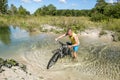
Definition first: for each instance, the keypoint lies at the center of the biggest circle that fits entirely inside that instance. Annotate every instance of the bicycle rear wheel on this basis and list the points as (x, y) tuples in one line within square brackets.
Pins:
[(53, 60)]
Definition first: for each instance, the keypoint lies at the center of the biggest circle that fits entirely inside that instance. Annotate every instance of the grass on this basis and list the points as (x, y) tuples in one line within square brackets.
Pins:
[(113, 24), (60, 21), (77, 23)]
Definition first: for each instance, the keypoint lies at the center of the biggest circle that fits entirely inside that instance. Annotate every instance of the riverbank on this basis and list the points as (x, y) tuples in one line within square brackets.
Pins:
[(13, 70), (98, 59)]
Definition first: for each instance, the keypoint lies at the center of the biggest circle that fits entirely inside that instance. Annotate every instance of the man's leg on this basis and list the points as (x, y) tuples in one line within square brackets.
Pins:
[(75, 57), (74, 54)]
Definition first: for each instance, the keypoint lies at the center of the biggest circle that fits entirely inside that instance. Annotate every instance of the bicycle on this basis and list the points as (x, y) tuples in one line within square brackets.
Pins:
[(59, 53)]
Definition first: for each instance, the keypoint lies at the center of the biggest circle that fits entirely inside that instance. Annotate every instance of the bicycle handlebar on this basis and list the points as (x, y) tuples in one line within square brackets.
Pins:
[(61, 43), (67, 43)]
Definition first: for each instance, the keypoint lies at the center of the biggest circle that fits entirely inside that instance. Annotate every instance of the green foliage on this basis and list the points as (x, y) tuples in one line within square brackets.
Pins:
[(11, 62), (1, 62), (98, 11), (116, 9), (3, 6), (112, 10), (98, 17), (102, 32), (108, 10), (113, 25), (46, 10), (51, 10), (105, 11), (23, 11), (12, 10), (78, 27), (101, 11), (100, 5), (5, 34)]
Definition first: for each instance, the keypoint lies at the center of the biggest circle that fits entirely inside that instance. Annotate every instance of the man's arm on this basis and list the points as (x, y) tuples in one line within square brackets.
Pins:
[(60, 37)]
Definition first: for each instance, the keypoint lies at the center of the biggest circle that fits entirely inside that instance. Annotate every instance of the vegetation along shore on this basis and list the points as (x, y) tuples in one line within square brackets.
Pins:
[(104, 15)]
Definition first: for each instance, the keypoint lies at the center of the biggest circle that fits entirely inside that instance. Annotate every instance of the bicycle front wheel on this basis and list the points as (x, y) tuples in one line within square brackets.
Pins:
[(53, 60)]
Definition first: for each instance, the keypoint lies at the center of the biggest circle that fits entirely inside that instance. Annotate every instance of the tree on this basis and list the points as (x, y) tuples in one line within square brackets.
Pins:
[(98, 11), (23, 11), (101, 11), (37, 12), (100, 5), (3, 6), (13, 10), (108, 10), (112, 10), (98, 17), (51, 9), (43, 10), (46, 10), (116, 9)]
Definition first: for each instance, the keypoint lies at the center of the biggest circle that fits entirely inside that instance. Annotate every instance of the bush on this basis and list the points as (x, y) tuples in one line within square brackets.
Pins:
[(102, 32), (1, 62), (116, 36), (98, 17), (10, 62), (113, 25)]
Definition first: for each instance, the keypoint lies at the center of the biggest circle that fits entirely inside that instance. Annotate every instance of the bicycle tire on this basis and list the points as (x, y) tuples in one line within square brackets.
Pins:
[(53, 60)]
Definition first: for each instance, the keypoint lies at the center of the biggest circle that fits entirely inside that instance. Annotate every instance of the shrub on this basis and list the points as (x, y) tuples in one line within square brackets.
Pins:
[(102, 32), (113, 25), (98, 17), (12, 62)]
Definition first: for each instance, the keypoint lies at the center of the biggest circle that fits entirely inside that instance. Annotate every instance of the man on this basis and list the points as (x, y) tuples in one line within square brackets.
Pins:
[(74, 40)]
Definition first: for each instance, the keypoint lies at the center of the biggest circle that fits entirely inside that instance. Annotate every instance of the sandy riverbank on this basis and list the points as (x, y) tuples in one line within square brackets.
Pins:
[(36, 60)]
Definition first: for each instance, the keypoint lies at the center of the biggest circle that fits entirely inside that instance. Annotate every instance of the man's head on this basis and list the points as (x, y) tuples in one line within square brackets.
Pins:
[(69, 32)]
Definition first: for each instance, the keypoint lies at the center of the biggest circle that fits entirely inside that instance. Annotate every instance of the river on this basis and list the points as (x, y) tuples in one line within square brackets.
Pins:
[(97, 60)]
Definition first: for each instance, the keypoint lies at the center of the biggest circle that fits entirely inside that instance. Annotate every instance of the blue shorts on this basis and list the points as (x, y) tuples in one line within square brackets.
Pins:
[(75, 48)]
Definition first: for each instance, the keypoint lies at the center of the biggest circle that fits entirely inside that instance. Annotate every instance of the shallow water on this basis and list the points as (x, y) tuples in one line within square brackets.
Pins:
[(97, 60)]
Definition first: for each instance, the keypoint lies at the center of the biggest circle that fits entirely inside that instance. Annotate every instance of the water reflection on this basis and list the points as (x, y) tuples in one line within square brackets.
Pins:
[(11, 34), (18, 33), (5, 35)]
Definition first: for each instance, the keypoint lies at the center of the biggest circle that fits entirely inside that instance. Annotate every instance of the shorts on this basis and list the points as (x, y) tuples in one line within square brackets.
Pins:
[(75, 48)]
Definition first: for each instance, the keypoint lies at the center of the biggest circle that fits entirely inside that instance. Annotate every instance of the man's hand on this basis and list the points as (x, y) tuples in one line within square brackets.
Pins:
[(60, 37), (56, 39)]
